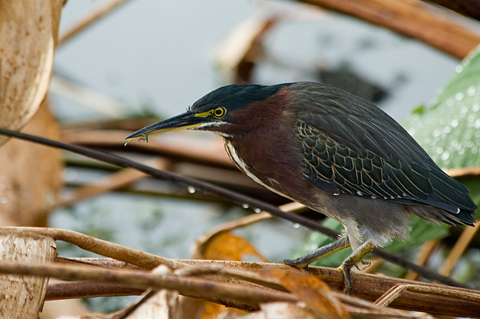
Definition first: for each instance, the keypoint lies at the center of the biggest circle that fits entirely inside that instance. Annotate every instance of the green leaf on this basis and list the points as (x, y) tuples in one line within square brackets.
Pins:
[(449, 130)]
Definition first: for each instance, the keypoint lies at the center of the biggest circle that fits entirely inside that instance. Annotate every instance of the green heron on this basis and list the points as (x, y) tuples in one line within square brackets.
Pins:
[(333, 152)]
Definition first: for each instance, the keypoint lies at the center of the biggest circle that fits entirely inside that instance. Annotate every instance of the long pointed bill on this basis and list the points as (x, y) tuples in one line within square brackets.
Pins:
[(180, 122)]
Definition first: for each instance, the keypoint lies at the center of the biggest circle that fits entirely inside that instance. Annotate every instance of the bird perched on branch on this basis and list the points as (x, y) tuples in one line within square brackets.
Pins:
[(333, 152)]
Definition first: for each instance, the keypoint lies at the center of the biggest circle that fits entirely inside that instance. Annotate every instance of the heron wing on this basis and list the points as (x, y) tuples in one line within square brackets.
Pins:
[(350, 146)]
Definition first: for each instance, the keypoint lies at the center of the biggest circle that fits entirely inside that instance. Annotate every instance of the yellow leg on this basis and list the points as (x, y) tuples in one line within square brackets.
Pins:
[(351, 261), (304, 261)]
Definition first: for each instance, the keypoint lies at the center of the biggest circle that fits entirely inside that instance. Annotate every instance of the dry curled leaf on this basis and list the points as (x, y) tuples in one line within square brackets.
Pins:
[(226, 246), (314, 292), (28, 34)]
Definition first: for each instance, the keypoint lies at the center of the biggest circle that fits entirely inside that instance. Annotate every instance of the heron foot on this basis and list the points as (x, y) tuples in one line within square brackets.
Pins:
[(352, 260)]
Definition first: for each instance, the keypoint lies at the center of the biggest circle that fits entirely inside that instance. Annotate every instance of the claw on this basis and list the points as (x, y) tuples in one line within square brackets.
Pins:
[(346, 278), (346, 269), (298, 263), (350, 261), (295, 263), (365, 265)]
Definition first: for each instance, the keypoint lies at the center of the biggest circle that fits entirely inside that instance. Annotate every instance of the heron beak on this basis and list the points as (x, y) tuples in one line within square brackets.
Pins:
[(183, 121)]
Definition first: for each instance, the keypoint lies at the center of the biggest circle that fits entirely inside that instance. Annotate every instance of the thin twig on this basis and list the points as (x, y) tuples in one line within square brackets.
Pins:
[(424, 272), (88, 289)]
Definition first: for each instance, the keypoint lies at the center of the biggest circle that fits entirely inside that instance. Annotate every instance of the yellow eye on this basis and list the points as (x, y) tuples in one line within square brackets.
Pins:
[(219, 112)]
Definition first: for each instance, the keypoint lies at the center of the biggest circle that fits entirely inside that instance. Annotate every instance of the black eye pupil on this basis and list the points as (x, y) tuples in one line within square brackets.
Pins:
[(219, 112)]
